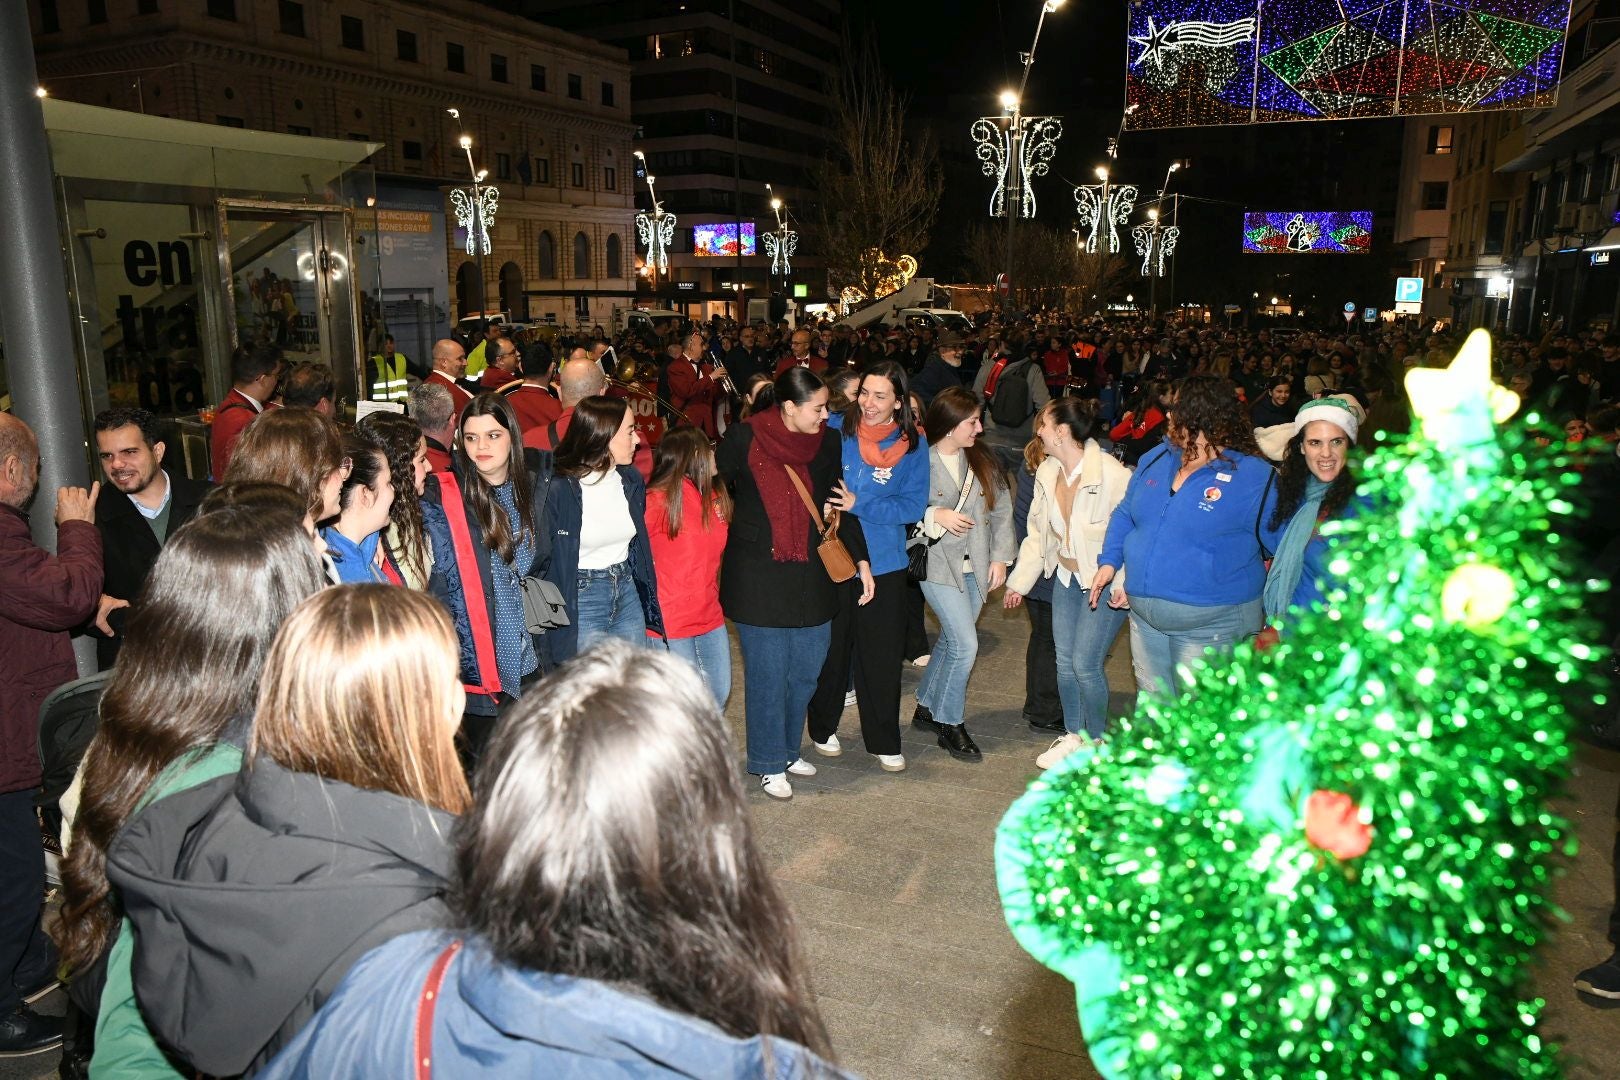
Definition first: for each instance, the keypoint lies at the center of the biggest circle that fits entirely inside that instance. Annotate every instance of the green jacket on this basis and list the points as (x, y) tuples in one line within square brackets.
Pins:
[(124, 1048)]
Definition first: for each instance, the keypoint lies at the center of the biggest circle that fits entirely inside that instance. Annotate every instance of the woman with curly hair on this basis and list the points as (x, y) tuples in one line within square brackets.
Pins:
[(1189, 531), (404, 540)]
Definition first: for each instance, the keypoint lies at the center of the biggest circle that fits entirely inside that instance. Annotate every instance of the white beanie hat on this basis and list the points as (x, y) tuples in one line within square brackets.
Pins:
[(1340, 410)]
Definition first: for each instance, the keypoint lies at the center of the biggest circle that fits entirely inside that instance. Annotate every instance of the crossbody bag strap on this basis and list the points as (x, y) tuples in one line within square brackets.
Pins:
[(426, 1006), (961, 501), (831, 525)]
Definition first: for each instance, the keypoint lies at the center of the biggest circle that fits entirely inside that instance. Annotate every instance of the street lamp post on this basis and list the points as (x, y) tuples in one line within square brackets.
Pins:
[(476, 216), (1104, 207), (781, 244), (655, 230)]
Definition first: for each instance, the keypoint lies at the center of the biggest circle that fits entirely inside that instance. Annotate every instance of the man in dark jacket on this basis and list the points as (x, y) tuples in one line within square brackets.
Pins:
[(139, 509), (943, 369), (41, 597)]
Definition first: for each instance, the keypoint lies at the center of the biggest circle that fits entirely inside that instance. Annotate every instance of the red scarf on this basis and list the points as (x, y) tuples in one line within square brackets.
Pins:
[(871, 435), (774, 446)]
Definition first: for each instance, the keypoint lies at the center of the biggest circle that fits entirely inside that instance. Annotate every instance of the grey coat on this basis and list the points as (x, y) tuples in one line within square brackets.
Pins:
[(990, 540)]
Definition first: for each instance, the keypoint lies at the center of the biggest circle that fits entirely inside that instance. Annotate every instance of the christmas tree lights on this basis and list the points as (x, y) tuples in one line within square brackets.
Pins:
[(1330, 859), (1250, 61)]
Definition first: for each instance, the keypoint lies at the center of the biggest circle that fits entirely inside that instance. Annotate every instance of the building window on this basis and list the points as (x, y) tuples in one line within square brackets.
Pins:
[(411, 150), (96, 11), (582, 255), (548, 255), (503, 166), (222, 9), (455, 58), (1496, 219), (1434, 195), (610, 179), (576, 173), (615, 256), (299, 129), (1440, 139), (497, 68), (576, 87), (542, 170), (537, 77), (50, 20), (230, 121), (353, 32), (292, 17), (405, 46), (607, 94)]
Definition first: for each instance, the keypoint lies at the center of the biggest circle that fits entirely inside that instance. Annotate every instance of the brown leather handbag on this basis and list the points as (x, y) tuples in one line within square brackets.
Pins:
[(834, 555)]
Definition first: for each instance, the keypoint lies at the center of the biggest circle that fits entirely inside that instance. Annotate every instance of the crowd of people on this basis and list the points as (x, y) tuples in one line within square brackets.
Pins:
[(444, 775)]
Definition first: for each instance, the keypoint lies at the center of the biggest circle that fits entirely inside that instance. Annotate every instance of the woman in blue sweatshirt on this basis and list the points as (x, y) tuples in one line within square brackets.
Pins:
[(885, 486), (1189, 530)]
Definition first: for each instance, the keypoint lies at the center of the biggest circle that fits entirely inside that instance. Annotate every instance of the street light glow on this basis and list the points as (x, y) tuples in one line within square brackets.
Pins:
[(1153, 215), (1051, 6), (1273, 301), (480, 176), (776, 204), (1102, 172), (1009, 99), (466, 142), (40, 91), (640, 155)]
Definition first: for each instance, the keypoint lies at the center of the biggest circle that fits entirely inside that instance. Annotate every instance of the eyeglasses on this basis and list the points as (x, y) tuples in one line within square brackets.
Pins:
[(345, 467)]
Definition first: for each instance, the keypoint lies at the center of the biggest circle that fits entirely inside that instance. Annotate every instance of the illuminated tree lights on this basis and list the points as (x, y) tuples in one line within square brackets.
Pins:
[(474, 215), (1247, 61), (1307, 232), (1331, 858)]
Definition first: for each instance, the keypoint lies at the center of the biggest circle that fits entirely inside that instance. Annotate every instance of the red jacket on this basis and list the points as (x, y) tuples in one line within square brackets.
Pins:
[(42, 596), (688, 567), (692, 392), (539, 438), (813, 362), (438, 457), (459, 398), (231, 418), (533, 406)]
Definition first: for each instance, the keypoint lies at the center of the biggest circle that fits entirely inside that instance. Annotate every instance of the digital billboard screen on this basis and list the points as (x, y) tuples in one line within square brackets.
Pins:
[(721, 239), (1307, 232)]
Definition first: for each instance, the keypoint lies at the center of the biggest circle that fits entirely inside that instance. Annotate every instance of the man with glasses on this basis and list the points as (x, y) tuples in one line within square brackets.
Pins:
[(799, 355), (505, 365)]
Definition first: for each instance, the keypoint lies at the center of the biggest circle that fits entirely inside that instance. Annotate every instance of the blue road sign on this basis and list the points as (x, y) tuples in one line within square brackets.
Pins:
[(1369, 314), (1409, 290), (1349, 307)]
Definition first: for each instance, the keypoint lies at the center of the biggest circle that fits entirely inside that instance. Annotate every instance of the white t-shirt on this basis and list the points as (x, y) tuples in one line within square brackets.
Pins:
[(605, 529)]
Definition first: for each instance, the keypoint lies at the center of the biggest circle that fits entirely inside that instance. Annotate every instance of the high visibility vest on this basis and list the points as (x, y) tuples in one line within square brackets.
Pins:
[(388, 381), (475, 361)]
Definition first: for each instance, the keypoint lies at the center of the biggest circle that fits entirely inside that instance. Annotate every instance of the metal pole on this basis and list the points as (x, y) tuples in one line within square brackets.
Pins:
[(1175, 219), (1012, 198), (736, 164), (1153, 269), (34, 307)]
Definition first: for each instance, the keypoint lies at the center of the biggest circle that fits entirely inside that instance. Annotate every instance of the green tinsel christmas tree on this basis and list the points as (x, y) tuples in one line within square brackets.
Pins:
[(1330, 861)]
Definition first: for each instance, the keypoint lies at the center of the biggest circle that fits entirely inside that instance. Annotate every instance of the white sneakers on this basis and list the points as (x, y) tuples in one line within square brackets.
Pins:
[(801, 767), (849, 699), (831, 748), (892, 762), (1061, 747), (922, 661), (776, 785)]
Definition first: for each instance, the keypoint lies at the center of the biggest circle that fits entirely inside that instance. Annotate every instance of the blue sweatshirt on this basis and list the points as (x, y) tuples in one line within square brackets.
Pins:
[(886, 500), (1200, 546), (356, 563)]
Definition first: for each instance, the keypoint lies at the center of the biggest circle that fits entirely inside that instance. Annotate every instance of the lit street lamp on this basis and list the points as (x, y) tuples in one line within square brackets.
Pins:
[(656, 230), (781, 244), (474, 214), (1104, 207)]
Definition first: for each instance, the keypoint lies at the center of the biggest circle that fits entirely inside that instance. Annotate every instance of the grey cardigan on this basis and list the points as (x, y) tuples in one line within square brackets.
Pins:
[(990, 540)]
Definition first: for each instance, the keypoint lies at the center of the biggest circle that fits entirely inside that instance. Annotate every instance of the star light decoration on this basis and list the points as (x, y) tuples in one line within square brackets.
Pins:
[(474, 215), (1103, 209), (1036, 147), (1251, 61), (1330, 859), (1155, 243)]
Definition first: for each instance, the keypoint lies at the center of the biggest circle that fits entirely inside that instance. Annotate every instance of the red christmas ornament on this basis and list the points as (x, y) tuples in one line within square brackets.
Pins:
[(1332, 824)]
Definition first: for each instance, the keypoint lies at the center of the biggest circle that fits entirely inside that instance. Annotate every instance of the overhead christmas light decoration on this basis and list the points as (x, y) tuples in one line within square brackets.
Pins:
[(1248, 61), (781, 244), (1307, 232), (1027, 142), (1155, 243), (473, 215), (656, 230), (1104, 208)]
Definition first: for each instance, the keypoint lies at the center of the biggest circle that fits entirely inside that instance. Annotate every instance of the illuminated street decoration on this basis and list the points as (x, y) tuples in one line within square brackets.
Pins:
[(893, 275), (780, 246), (1103, 209), (1155, 246), (1036, 146), (656, 231), (1308, 232), (474, 215), (1247, 61)]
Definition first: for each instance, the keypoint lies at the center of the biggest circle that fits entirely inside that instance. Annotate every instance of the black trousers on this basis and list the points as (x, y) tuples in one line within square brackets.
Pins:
[(1614, 912), (916, 635), (26, 955), (1041, 701), (870, 642)]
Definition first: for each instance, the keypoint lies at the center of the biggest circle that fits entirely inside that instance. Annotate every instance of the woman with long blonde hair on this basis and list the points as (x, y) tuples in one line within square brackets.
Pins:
[(252, 895)]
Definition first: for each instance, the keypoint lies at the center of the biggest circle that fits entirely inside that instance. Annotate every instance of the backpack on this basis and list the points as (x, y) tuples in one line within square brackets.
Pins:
[(1011, 403)]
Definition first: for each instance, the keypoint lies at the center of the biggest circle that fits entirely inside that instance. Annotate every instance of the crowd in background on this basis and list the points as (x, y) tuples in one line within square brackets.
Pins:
[(463, 665)]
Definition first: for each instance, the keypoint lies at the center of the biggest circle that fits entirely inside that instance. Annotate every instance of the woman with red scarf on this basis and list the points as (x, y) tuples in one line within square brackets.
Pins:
[(773, 585), (886, 482)]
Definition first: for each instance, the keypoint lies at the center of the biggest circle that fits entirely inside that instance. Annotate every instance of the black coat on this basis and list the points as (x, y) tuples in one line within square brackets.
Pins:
[(253, 894), (755, 588), (129, 547)]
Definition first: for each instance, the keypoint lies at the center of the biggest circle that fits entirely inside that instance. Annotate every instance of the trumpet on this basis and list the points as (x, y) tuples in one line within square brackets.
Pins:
[(723, 377)]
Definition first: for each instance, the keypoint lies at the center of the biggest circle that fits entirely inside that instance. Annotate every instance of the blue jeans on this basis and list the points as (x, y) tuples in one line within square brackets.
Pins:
[(609, 606), (1167, 636), (1082, 638), (943, 690), (711, 654), (781, 665)]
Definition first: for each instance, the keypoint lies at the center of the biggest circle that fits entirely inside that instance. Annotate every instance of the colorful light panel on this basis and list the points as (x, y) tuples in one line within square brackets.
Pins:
[(1307, 232), (721, 239), (1192, 63)]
